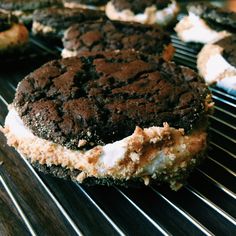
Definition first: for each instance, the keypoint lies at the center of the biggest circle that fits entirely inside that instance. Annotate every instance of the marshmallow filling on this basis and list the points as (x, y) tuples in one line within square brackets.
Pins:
[(147, 154)]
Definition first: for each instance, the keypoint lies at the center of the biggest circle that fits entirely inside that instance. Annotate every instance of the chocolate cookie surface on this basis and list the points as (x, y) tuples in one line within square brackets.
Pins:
[(113, 35), (102, 97), (27, 5), (138, 6), (51, 22)]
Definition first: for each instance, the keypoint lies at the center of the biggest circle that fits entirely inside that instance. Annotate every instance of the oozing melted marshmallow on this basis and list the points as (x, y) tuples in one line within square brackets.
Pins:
[(194, 29), (214, 68)]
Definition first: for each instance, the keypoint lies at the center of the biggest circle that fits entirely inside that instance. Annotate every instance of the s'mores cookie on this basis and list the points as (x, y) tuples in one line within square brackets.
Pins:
[(23, 9), (217, 63), (13, 35), (113, 35), (111, 118), (52, 22), (146, 12), (206, 23), (86, 4)]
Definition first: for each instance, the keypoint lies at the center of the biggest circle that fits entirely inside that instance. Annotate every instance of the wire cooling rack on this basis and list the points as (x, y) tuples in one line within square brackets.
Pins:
[(35, 204)]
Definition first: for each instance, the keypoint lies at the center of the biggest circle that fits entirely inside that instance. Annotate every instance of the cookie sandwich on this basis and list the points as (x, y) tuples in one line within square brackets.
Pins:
[(146, 12), (217, 63), (52, 22), (111, 118), (206, 23)]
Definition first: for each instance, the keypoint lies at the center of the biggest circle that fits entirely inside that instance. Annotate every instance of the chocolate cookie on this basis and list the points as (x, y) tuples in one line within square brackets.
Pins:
[(178, 179), (103, 96), (111, 118), (52, 22), (12, 33), (147, 12), (112, 35), (90, 4)]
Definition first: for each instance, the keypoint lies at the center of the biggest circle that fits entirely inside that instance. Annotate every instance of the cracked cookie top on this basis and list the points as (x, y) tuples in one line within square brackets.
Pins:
[(106, 35), (101, 97)]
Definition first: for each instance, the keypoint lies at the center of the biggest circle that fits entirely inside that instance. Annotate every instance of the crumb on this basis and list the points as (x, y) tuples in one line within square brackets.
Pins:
[(81, 177), (146, 180), (82, 142)]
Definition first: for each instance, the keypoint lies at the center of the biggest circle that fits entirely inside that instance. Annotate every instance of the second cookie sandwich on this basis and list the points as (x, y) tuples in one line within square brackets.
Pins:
[(143, 11), (51, 22), (113, 35)]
